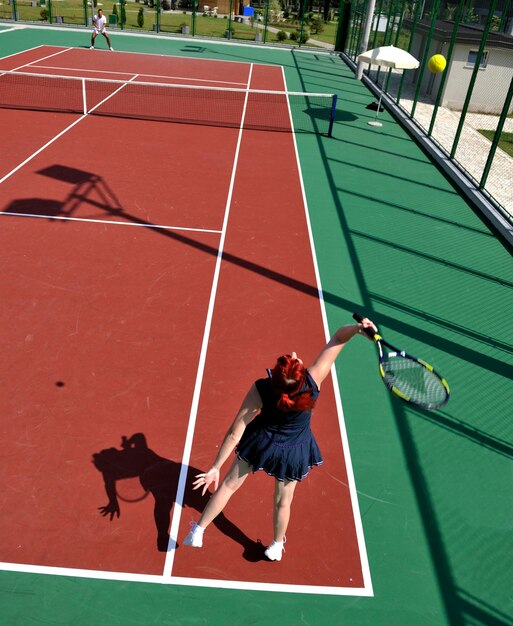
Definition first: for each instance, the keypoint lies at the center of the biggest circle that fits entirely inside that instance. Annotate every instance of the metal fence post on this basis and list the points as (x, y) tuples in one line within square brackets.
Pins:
[(385, 36), (504, 17), (380, 6), (342, 26), (497, 135), (352, 19), (302, 29), (457, 20), (230, 20), (416, 15), (400, 25), (360, 32), (366, 34), (423, 61), (473, 77)]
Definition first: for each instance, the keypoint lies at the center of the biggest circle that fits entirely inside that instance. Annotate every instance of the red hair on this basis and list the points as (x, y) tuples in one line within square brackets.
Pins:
[(288, 377)]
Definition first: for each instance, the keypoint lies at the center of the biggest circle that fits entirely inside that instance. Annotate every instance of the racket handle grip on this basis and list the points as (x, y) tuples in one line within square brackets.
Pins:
[(368, 331)]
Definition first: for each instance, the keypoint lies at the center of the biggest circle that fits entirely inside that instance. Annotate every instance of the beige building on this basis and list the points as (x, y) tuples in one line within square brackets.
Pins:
[(495, 72)]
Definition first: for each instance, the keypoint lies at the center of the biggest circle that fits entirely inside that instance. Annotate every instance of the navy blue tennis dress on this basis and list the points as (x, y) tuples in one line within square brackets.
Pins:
[(280, 443)]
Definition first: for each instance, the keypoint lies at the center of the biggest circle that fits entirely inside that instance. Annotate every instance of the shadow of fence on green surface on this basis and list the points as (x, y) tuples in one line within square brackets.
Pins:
[(427, 439)]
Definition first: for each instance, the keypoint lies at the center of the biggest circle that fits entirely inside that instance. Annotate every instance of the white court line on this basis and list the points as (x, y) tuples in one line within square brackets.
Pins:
[(181, 580), (8, 56), (7, 30), (197, 42), (99, 221), (42, 59), (178, 506), (203, 80), (338, 401), (167, 578), (49, 143)]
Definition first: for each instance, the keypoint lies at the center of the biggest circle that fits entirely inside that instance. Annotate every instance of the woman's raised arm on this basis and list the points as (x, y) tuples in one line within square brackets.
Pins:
[(322, 364)]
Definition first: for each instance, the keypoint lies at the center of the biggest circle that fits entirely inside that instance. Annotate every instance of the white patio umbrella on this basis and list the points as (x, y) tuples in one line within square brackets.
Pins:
[(391, 57)]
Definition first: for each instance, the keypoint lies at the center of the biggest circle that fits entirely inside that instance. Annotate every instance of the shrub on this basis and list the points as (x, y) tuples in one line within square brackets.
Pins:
[(316, 25), (297, 36), (115, 11), (281, 35), (166, 5), (140, 18), (44, 14)]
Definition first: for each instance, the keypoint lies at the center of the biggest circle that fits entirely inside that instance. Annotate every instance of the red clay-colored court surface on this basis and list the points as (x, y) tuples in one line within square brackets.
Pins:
[(143, 304)]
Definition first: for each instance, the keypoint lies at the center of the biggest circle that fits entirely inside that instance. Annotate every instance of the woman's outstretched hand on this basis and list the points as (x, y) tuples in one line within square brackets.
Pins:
[(365, 324), (206, 479)]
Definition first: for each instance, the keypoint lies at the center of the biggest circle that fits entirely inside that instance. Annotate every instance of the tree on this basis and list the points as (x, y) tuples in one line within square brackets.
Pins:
[(140, 17)]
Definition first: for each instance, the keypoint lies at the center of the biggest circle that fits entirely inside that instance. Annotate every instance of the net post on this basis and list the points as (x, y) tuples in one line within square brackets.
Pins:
[(84, 98), (332, 115)]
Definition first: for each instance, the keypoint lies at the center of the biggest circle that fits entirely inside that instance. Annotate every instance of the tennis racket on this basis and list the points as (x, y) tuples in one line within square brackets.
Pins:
[(409, 378)]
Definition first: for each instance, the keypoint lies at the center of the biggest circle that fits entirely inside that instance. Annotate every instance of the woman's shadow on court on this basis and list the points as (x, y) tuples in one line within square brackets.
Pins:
[(158, 476)]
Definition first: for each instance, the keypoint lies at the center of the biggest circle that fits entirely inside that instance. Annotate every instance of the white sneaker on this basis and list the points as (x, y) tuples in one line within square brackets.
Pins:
[(91, 47), (111, 49), (275, 551), (195, 536)]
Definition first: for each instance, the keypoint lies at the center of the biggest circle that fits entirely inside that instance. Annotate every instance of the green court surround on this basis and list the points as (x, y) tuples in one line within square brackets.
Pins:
[(395, 240)]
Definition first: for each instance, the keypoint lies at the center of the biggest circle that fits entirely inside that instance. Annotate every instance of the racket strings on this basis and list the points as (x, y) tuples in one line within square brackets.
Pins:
[(412, 379)]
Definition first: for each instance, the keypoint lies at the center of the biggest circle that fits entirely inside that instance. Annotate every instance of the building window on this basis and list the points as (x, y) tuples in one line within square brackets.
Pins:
[(472, 56)]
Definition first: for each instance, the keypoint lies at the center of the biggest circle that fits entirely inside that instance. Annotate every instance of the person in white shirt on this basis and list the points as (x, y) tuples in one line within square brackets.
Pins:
[(99, 26)]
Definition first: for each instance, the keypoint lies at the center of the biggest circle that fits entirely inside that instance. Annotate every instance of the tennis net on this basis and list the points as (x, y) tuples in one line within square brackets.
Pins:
[(251, 108)]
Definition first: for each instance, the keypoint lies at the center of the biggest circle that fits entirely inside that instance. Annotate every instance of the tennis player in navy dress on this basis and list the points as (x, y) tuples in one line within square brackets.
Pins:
[(281, 443), (272, 433)]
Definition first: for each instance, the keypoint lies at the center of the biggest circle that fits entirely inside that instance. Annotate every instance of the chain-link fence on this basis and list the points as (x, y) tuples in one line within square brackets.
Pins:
[(288, 22), (467, 108)]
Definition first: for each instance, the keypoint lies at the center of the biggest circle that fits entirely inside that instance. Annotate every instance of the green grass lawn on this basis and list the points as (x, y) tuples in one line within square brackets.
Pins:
[(72, 12), (328, 34), (505, 142)]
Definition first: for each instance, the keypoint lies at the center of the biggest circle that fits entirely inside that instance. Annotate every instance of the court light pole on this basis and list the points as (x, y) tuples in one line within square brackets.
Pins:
[(366, 35)]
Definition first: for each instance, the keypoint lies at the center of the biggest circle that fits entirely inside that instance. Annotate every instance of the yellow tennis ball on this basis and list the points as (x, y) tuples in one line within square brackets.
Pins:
[(437, 63)]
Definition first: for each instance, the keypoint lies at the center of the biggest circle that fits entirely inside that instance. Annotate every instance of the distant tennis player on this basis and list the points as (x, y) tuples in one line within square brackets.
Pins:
[(271, 432), (100, 26)]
